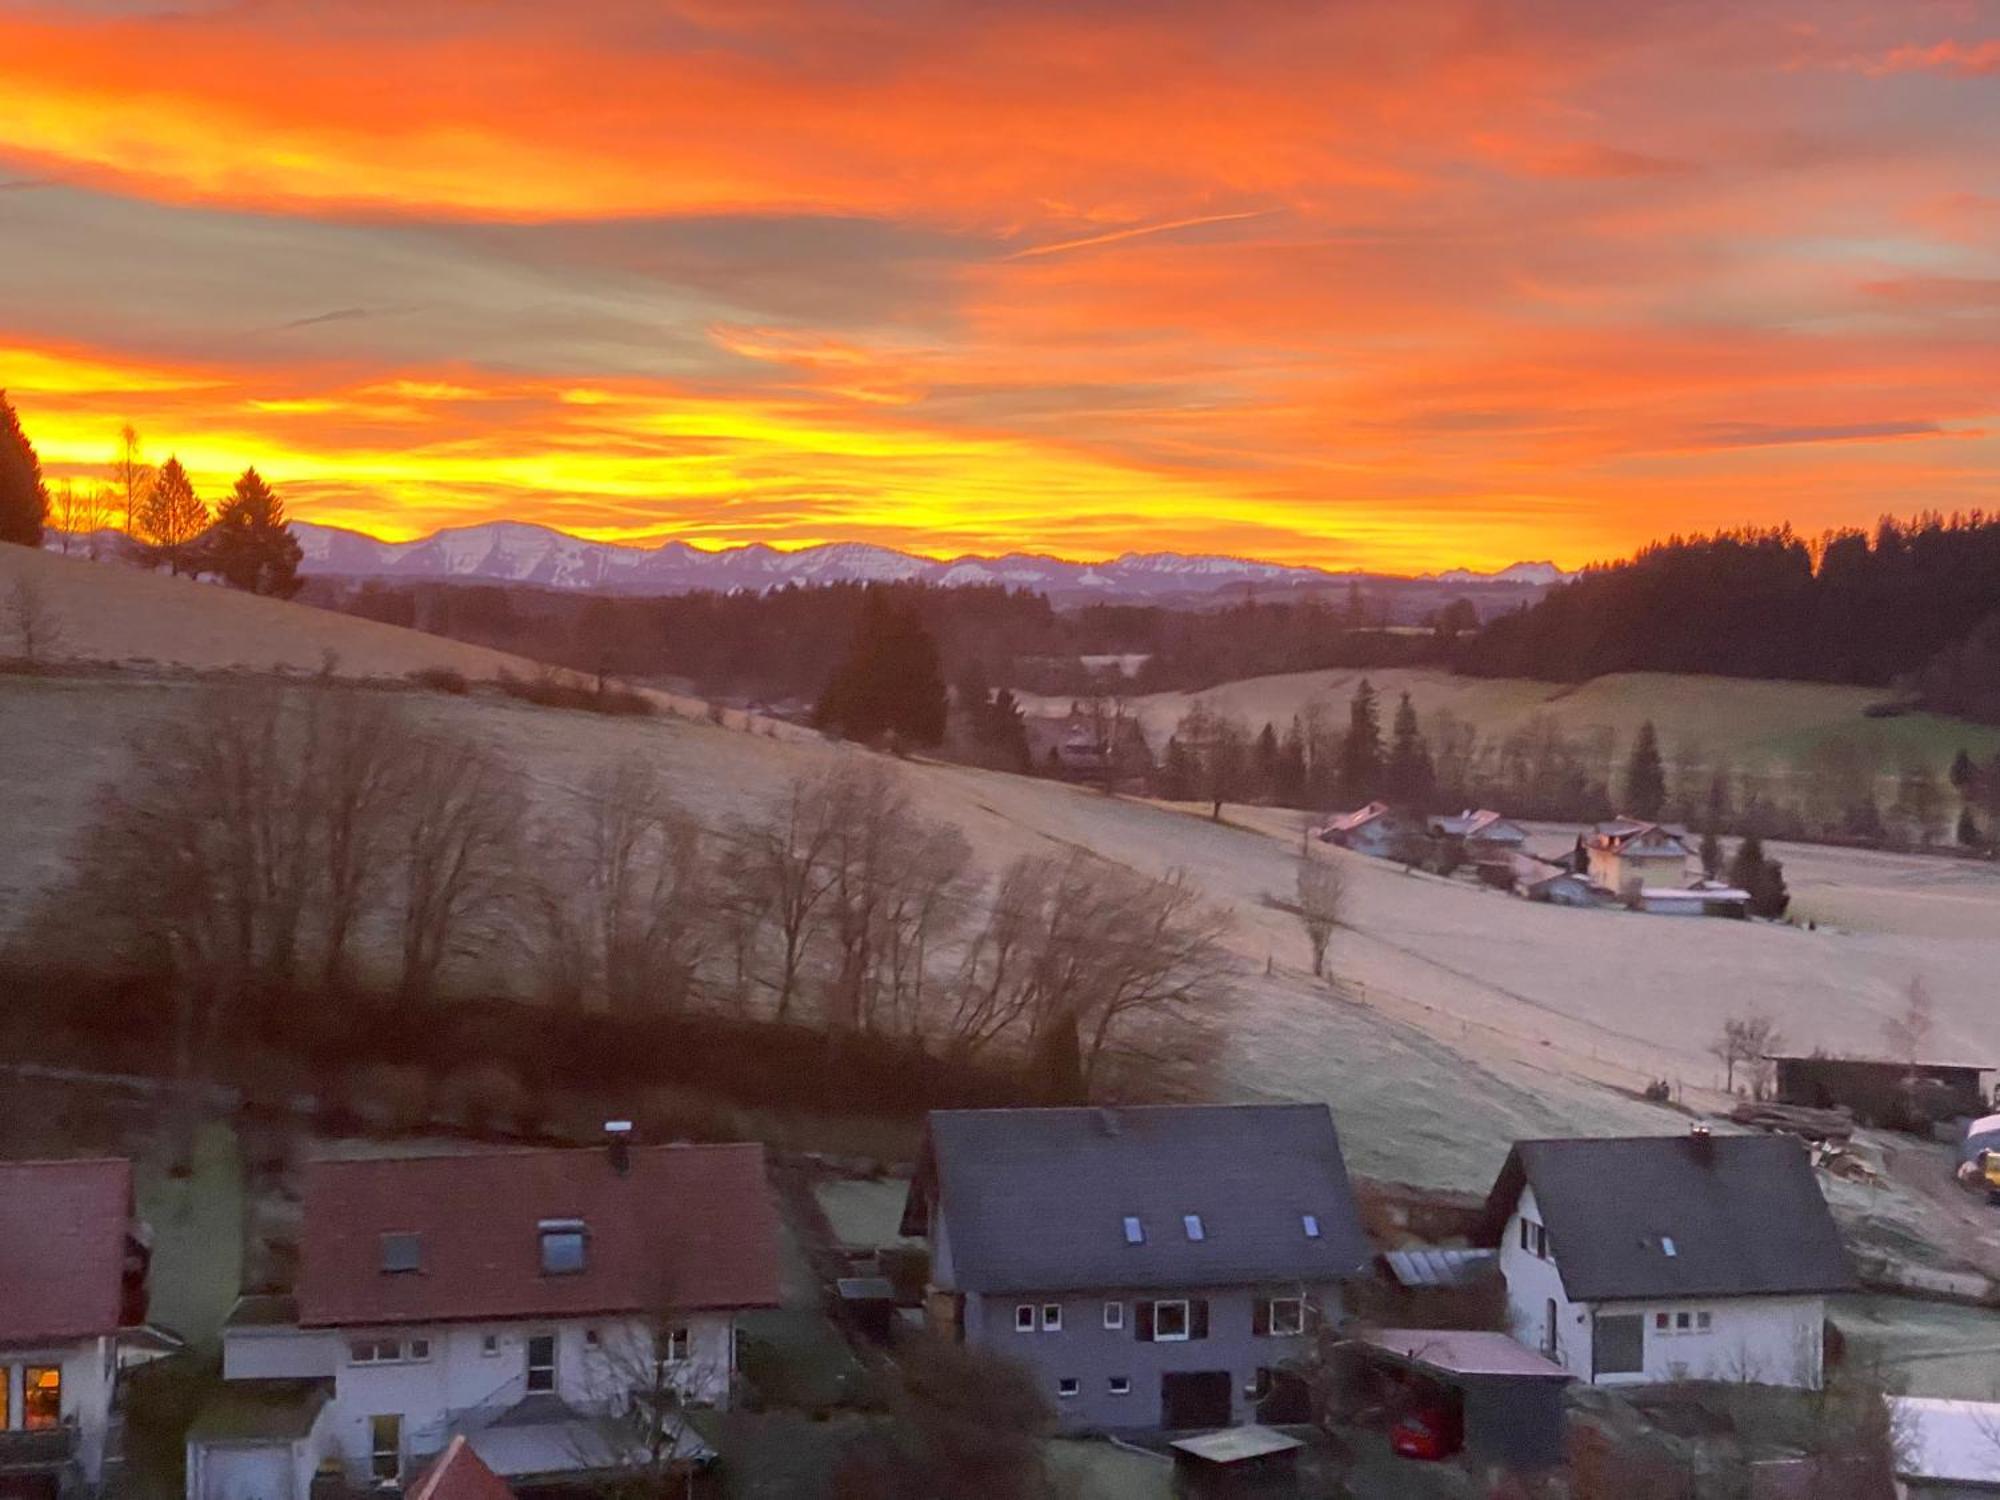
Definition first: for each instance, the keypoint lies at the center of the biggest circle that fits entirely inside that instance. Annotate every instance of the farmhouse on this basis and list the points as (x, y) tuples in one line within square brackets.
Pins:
[(539, 1304), (1629, 854), (1484, 835), (73, 1262), (1089, 743), (1644, 1259), (1155, 1267), (1378, 830), (1539, 880)]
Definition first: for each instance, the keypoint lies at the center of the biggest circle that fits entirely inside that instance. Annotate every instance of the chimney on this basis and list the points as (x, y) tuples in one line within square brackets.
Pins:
[(1701, 1141), (618, 1145)]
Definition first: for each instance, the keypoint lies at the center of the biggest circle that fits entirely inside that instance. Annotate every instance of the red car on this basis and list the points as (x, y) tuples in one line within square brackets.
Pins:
[(1430, 1433)]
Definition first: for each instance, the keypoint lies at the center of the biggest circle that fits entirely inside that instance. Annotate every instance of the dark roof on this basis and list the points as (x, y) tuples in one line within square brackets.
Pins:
[(1896, 1064), (685, 1227), (260, 1411), (1743, 1214), (64, 1227), (1035, 1199)]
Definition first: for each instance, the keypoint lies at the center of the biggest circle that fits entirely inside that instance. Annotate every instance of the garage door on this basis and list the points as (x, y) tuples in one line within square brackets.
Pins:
[(263, 1473)]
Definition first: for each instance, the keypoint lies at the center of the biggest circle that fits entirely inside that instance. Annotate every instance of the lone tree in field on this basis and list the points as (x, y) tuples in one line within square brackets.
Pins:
[(251, 545), (1645, 775), (31, 621), (173, 517), (1322, 894), (891, 682), (1745, 1041), (24, 499)]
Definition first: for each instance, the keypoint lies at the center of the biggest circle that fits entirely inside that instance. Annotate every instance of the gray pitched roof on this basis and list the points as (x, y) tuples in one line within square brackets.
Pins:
[(1035, 1199), (1743, 1213)]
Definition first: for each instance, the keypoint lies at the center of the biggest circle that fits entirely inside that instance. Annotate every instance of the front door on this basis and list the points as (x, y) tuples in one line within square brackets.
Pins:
[(1195, 1398), (1549, 1344)]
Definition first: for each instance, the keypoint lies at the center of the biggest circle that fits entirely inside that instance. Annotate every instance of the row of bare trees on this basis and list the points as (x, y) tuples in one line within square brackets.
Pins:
[(270, 842)]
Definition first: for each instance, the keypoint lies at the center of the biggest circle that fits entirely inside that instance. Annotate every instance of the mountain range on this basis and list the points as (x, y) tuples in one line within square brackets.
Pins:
[(518, 552)]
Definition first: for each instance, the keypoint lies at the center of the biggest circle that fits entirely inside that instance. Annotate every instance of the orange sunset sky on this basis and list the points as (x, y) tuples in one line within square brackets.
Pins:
[(1402, 285)]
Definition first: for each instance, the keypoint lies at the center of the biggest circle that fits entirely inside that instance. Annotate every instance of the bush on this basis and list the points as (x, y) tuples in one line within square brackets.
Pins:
[(441, 680), (552, 690), (485, 1098), (908, 1268), (390, 1097)]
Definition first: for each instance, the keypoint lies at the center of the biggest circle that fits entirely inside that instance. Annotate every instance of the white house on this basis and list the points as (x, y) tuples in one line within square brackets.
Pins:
[(1638, 1260), (73, 1260), (538, 1303), (1630, 854)]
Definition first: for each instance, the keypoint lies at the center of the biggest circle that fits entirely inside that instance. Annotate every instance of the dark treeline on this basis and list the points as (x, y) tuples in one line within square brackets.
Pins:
[(787, 644), (1850, 608)]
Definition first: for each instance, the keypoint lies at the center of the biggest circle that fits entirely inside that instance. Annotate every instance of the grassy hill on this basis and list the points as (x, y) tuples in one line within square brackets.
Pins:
[(1464, 1018), (1763, 727)]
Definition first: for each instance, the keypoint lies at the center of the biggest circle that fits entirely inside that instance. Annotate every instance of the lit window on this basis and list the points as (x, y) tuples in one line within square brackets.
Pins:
[(1114, 1315), (1024, 1318), (1310, 1223), (385, 1441), (1288, 1316), (1052, 1317), (1193, 1225), (563, 1246), (541, 1363), (1170, 1322), (1135, 1232), (41, 1397), (401, 1253), (1120, 1385), (1068, 1387)]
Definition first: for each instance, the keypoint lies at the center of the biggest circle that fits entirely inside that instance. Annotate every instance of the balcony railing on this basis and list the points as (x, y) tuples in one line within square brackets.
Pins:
[(41, 1448)]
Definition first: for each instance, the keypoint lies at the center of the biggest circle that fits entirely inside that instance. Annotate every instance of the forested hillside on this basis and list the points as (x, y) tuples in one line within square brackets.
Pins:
[(1849, 608)]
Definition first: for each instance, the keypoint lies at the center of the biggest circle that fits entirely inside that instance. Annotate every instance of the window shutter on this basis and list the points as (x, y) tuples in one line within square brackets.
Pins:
[(1198, 1318), (1260, 1318), (1142, 1321)]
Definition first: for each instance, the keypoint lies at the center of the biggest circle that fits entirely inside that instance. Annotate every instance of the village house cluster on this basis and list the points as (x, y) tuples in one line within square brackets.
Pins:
[(1631, 862), (459, 1323)]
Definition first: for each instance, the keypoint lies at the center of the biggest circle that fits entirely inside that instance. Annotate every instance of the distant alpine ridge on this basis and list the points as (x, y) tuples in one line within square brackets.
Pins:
[(518, 552)]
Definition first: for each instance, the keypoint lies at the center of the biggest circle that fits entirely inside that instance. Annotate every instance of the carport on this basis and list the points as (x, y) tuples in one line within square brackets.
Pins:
[(1509, 1399)]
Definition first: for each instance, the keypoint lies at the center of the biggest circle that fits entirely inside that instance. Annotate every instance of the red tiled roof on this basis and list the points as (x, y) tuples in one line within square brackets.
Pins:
[(686, 1227), (460, 1474), (62, 1248)]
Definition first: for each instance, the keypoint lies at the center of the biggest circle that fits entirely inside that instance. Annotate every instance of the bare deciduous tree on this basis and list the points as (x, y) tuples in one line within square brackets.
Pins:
[(778, 873), (1747, 1041), (1322, 893), (34, 627), (363, 739), (1908, 1034), (462, 808)]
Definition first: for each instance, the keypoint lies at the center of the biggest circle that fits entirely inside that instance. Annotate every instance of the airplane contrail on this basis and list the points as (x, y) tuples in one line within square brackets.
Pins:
[(1132, 234)]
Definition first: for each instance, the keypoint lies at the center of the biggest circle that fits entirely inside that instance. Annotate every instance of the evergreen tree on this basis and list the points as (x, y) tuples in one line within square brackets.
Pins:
[(252, 546), (173, 518), (1410, 778), (1267, 759), (1645, 775), (1764, 878), (1178, 771), (1361, 750), (1968, 829), (1964, 774), (1288, 785), (1006, 728), (1711, 852), (24, 499), (890, 683)]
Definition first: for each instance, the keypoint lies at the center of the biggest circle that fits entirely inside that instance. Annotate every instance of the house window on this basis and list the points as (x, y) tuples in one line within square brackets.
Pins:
[(674, 1345), (1667, 1246), (1534, 1239), (376, 1351), (1193, 1225), (1114, 1315), (1170, 1322), (1618, 1344), (1659, 1322), (1068, 1387), (590, 1340), (563, 1246), (542, 1362), (1119, 1385), (1135, 1232), (1310, 1224), (490, 1345), (1701, 1322), (1052, 1317), (1683, 1322), (420, 1348), (41, 1396), (1024, 1318), (385, 1442), (1287, 1316), (401, 1253)]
